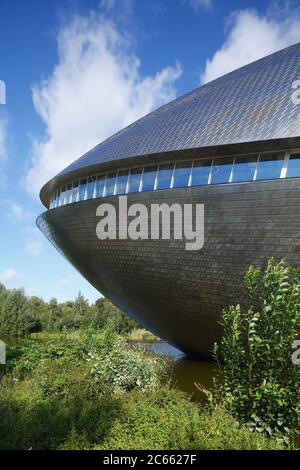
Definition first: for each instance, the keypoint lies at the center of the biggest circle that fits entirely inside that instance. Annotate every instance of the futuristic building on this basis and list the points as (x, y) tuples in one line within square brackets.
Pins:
[(232, 145)]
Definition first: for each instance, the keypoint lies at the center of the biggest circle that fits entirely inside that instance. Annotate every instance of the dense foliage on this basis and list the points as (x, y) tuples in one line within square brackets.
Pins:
[(20, 315), (261, 384), (87, 390), (16, 315), (75, 383)]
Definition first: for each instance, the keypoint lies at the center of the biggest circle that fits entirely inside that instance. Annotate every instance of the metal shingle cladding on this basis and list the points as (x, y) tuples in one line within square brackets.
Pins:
[(250, 104), (176, 293)]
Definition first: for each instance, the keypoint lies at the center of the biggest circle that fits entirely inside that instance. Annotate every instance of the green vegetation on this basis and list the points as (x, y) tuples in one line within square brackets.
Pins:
[(86, 390), (16, 315), (261, 385), (77, 380), (21, 315)]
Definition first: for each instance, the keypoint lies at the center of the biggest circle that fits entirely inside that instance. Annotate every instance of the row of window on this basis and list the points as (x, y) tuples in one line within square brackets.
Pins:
[(180, 174)]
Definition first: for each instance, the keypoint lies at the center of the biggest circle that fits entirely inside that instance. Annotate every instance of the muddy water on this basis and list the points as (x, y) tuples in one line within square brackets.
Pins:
[(189, 375)]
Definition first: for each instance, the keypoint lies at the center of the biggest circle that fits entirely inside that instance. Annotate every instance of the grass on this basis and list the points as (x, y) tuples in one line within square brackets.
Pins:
[(142, 335), (59, 393)]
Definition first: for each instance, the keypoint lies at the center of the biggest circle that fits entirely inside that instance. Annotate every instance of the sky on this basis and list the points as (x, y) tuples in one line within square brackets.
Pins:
[(78, 71)]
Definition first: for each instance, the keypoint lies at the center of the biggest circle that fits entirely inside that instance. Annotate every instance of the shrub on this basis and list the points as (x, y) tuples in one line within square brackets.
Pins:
[(16, 316), (261, 385), (166, 419), (51, 399), (122, 368)]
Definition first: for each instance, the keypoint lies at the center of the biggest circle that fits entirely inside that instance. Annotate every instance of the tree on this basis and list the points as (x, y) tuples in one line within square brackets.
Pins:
[(261, 384), (54, 315), (16, 316), (106, 310), (40, 310)]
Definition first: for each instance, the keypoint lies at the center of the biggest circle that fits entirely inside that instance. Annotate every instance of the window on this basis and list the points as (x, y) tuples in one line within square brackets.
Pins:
[(90, 187), (182, 174), (293, 166), (244, 168), (100, 185), (57, 197), (62, 198), (221, 170), (179, 175), (69, 193), (110, 184), (200, 172), (82, 186), (164, 176), (148, 179), (134, 180), (269, 166), (75, 191), (122, 182)]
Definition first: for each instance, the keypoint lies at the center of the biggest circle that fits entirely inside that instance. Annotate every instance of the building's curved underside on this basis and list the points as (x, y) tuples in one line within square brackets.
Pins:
[(176, 293), (179, 294)]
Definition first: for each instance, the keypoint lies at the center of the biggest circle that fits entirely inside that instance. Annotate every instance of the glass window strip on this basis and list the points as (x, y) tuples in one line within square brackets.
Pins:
[(256, 169), (210, 171), (79, 188), (155, 181), (191, 173), (270, 166), (285, 165), (244, 168), (231, 173), (141, 181), (293, 169)]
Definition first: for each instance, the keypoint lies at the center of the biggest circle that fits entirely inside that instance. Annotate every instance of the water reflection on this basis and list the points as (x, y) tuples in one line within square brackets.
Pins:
[(189, 375), (194, 377)]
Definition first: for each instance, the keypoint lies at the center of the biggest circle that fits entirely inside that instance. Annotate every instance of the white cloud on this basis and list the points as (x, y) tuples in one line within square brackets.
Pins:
[(35, 248), (95, 89), (8, 275), (16, 211), (197, 4), (3, 138), (251, 36), (11, 278)]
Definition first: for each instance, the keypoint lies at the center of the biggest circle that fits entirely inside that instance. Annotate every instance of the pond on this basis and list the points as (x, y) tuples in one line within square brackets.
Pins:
[(189, 375)]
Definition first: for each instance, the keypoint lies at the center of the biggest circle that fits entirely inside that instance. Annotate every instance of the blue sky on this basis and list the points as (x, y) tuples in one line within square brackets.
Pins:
[(78, 71)]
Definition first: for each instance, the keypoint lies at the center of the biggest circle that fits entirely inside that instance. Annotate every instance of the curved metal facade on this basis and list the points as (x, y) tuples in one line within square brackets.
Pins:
[(250, 104), (176, 293)]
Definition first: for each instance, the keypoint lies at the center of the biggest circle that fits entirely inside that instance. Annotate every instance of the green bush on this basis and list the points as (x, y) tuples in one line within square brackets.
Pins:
[(122, 368), (166, 419), (52, 396), (20, 315), (104, 311), (261, 385), (16, 315)]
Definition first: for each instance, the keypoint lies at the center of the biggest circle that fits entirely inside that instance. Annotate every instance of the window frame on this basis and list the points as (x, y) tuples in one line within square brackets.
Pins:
[(57, 200)]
